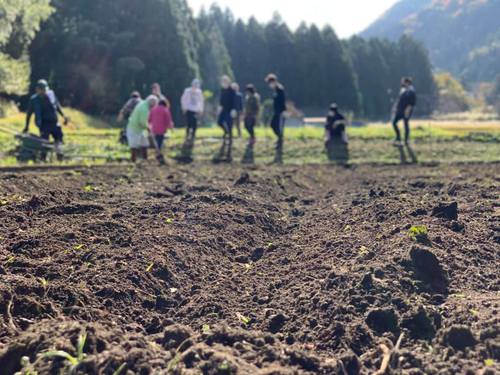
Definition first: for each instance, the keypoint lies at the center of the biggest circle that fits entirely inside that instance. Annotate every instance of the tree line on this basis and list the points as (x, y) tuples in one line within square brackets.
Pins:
[(95, 52)]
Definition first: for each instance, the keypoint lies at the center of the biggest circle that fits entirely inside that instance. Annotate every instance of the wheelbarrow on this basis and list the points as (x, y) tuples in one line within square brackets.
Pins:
[(33, 148)]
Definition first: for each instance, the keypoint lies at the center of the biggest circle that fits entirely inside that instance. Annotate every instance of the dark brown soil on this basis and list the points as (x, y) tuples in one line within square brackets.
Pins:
[(267, 270)]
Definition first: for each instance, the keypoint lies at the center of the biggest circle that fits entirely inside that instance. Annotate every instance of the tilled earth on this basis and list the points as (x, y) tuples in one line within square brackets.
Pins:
[(266, 270)]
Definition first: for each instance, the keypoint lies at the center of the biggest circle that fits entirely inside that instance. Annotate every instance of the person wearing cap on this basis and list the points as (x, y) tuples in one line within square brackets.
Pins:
[(404, 109), (126, 111), (129, 106), (239, 106), (192, 104), (53, 99), (335, 127), (252, 111), (138, 128), (45, 111), (279, 108), (227, 114)]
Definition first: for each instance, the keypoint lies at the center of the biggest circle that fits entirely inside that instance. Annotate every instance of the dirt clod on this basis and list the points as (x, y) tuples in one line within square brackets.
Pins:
[(420, 324), (428, 268), (175, 335), (383, 320), (276, 322), (458, 337), (243, 179), (448, 211)]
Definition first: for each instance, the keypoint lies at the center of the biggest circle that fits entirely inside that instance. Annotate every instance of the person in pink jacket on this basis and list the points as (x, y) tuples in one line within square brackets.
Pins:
[(160, 121)]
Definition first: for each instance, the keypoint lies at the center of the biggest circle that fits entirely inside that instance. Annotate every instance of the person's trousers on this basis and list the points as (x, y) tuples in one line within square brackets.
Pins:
[(160, 139), (250, 122), (225, 121), (191, 124), (53, 130), (278, 126), (406, 120)]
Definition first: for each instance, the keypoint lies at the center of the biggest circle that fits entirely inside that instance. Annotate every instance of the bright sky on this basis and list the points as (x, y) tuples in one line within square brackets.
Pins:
[(347, 17)]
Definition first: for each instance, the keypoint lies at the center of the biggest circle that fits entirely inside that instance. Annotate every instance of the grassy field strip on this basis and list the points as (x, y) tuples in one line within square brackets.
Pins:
[(442, 141)]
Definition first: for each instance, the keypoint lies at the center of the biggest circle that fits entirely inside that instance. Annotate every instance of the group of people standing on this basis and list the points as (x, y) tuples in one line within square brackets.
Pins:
[(149, 120)]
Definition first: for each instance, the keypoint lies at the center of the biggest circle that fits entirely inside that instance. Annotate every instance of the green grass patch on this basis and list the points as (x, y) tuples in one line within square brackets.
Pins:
[(93, 141)]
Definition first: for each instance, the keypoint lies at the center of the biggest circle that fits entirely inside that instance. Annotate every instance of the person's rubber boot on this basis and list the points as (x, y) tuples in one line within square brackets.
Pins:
[(161, 159)]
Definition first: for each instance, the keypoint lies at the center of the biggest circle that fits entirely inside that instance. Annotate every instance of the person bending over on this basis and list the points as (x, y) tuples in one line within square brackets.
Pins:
[(335, 128), (138, 128)]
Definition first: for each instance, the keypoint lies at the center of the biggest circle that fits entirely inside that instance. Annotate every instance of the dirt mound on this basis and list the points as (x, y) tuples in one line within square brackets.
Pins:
[(448, 211), (272, 270), (429, 269)]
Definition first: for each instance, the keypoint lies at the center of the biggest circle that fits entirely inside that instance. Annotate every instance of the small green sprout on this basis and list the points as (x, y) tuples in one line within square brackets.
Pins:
[(169, 220), (4, 202), (248, 267), (88, 188), (224, 366), (10, 260), (205, 328), (363, 250), (73, 361), (489, 362), (269, 245), (243, 319), (44, 282), (419, 233), (79, 247)]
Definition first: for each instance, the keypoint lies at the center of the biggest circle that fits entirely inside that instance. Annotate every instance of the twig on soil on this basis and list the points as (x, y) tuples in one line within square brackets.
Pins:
[(385, 360), (388, 354), (9, 315)]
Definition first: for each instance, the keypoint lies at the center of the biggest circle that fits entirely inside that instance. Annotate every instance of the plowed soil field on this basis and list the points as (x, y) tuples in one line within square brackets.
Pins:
[(223, 269)]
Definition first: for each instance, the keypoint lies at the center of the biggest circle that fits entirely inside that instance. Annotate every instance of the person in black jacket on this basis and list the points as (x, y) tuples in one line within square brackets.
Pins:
[(279, 108), (335, 128), (404, 110), (240, 104), (227, 114)]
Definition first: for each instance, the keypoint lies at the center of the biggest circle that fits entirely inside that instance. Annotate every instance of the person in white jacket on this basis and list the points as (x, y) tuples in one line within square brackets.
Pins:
[(192, 103)]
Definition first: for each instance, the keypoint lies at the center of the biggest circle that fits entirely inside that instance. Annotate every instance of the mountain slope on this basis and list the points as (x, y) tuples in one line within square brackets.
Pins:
[(463, 36)]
